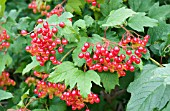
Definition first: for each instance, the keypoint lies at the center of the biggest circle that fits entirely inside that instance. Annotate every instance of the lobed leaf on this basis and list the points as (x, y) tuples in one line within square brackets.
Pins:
[(109, 80), (150, 90), (140, 5), (118, 17), (159, 12), (71, 76), (30, 66), (5, 95), (5, 59), (139, 21)]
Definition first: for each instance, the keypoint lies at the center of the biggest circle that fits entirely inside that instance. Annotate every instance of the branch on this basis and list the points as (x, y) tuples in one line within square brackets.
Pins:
[(105, 32), (67, 54), (157, 63), (63, 2)]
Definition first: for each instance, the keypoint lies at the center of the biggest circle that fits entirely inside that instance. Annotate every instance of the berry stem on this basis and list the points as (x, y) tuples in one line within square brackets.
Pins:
[(85, 68), (63, 2), (157, 63), (105, 32), (33, 99), (67, 54)]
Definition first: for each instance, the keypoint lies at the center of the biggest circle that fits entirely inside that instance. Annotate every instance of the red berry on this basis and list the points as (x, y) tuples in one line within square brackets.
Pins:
[(86, 45), (83, 49), (40, 21), (54, 30), (87, 110), (45, 25), (131, 68), (137, 60), (60, 49), (33, 35), (94, 3), (81, 55), (24, 32), (128, 52), (64, 41), (62, 24), (116, 49)]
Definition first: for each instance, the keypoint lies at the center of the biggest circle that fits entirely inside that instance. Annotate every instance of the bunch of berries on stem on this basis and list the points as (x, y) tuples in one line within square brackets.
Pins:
[(115, 57), (5, 80), (44, 43), (3, 40)]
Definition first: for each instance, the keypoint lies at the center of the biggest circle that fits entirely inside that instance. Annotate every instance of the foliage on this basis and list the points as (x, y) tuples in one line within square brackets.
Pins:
[(88, 55)]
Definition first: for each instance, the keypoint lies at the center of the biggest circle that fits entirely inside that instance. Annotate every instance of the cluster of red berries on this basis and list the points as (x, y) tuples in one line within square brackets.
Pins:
[(43, 88), (5, 80), (108, 58), (58, 10), (43, 7), (3, 40), (44, 42), (93, 2), (31, 80), (41, 75), (74, 99)]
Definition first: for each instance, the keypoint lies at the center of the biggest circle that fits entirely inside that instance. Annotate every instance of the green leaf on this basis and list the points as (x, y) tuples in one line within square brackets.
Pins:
[(88, 20), (62, 71), (159, 33), (100, 1), (84, 79), (167, 108), (80, 23), (5, 60), (140, 5), (17, 46), (59, 106), (5, 95), (13, 14), (2, 7), (150, 90), (110, 5), (9, 23), (71, 76), (25, 95), (118, 17), (30, 66), (139, 21), (23, 23), (159, 12), (75, 6), (109, 80), (77, 61), (39, 110)]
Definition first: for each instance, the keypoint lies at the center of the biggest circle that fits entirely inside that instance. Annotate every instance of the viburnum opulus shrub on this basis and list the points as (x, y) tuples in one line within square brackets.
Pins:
[(87, 55)]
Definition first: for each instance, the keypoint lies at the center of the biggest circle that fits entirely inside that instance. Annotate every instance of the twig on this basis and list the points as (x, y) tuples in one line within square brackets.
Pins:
[(67, 54), (85, 68), (63, 2), (157, 63), (105, 32), (32, 99)]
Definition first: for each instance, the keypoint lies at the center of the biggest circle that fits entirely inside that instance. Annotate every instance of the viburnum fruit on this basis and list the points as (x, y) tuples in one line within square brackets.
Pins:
[(45, 43), (115, 58), (62, 24), (74, 99), (4, 37), (24, 32), (43, 8), (5, 80), (43, 88)]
